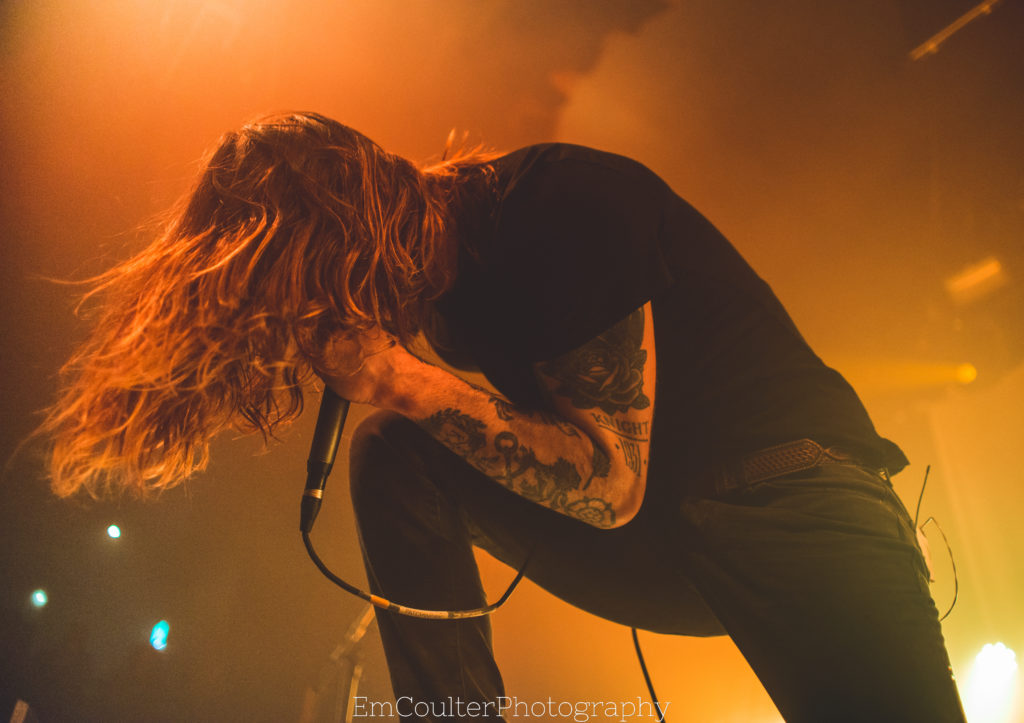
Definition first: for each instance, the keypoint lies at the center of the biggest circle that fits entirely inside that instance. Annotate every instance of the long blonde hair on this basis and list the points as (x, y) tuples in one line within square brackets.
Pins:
[(297, 228)]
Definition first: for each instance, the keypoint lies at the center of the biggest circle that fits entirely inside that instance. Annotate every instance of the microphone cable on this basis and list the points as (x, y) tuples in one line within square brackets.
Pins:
[(385, 604), (324, 448), (647, 676), (326, 437)]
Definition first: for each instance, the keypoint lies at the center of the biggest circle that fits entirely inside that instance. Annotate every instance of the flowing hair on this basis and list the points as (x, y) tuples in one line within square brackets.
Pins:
[(298, 228)]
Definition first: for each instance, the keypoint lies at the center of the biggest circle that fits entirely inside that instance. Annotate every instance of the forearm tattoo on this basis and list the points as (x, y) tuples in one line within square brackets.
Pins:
[(516, 466), (504, 408), (606, 376)]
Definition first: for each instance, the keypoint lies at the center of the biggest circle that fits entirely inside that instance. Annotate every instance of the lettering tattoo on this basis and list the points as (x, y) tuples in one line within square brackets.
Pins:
[(623, 427), (631, 453), (559, 486)]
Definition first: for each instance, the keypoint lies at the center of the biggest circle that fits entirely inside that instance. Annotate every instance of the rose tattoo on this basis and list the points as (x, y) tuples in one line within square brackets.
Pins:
[(606, 373)]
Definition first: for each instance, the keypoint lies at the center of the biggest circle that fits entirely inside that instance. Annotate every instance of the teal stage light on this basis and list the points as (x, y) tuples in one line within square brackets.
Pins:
[(158, 638), (40, 598), (114, 532)]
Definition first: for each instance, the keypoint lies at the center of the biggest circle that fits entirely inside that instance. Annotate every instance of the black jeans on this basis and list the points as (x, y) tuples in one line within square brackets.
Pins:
[(816, 576)]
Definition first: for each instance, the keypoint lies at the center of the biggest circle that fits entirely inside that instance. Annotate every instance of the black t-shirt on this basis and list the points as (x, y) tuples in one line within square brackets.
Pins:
[(575, 241)]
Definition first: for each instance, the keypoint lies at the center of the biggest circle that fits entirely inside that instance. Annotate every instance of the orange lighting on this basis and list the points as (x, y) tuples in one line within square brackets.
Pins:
[(894, 375), (966, 373), (931, 45), (976, 281)]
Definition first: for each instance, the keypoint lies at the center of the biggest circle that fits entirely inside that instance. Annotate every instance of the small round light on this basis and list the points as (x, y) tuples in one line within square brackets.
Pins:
[(40, 598), (114, 532), (158, 637), (966, 373)]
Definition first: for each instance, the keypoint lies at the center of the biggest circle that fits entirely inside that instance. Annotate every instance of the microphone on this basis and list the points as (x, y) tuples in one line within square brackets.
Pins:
[(329, 423)]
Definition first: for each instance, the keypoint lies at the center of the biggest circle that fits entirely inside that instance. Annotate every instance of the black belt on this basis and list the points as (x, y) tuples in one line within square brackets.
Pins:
[(782, 459)]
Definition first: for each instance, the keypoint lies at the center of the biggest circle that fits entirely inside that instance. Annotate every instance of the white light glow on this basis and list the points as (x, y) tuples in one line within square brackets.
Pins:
[(114, 531), (992, 685), (40, 598)]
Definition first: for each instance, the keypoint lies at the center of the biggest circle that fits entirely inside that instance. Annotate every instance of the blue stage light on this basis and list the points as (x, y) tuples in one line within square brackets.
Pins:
[(158, 638)]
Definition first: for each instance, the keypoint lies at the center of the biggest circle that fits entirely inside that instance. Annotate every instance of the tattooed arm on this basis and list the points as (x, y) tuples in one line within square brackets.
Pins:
[(585, 458), (606, 389)]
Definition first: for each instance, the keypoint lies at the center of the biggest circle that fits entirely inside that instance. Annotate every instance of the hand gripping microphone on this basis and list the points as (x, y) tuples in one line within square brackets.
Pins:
[(329, 423)]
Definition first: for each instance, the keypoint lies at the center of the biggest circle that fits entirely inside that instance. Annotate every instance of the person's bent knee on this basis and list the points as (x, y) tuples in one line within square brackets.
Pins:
[(380, 456), (377, 427)]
